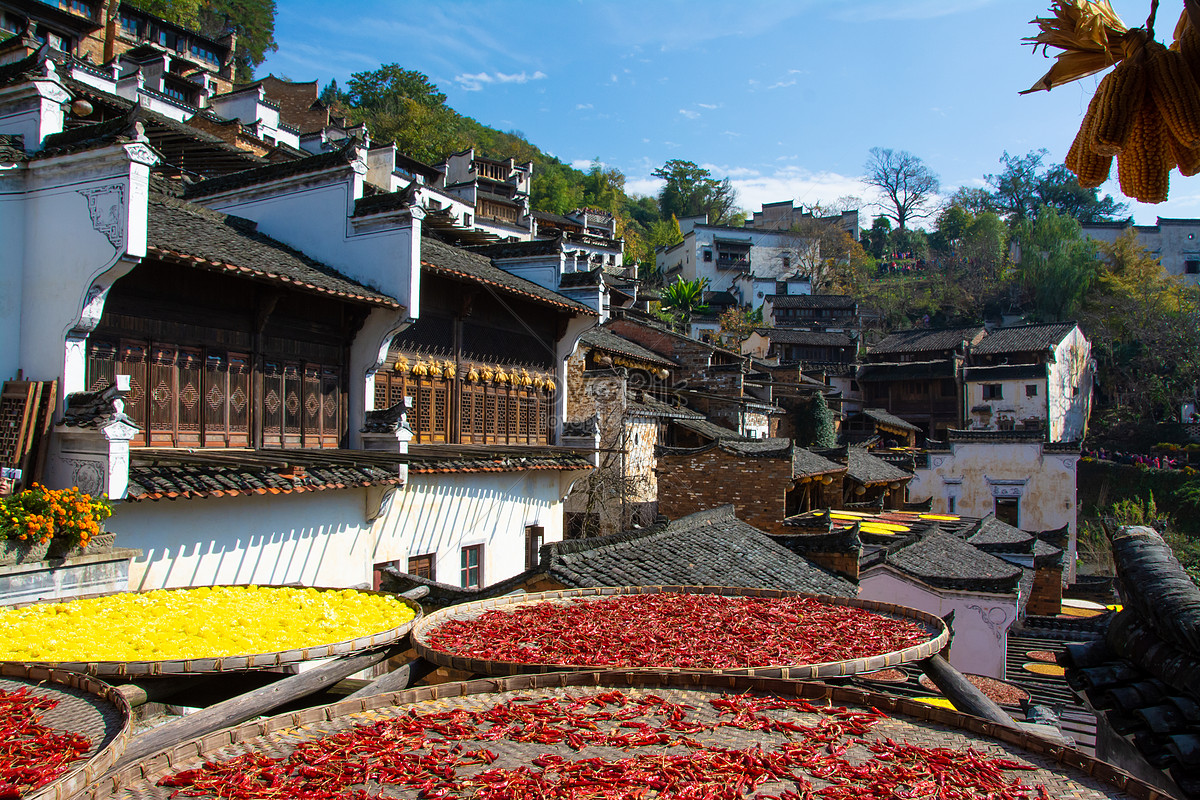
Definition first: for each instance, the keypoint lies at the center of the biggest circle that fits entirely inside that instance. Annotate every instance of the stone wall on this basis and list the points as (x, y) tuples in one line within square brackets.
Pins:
[(756, 487)]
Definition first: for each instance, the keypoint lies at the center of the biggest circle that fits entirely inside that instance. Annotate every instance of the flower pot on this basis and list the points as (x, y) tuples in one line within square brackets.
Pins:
[(14, 551), (100, 543)]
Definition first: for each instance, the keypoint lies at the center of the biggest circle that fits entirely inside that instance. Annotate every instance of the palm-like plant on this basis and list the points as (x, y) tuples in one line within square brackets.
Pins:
[(685, 298)]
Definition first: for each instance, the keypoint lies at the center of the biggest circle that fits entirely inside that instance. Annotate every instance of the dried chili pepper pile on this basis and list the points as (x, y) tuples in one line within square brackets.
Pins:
[(691, 631), (795, 755), (32, 754)]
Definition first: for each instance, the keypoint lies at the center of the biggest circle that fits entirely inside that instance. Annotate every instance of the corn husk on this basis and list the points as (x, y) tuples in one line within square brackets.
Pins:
[(1090, 34)]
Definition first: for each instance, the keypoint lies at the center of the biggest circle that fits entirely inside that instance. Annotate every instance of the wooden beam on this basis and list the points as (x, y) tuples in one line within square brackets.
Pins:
[(965, 696), (397, 680), (252, 704)]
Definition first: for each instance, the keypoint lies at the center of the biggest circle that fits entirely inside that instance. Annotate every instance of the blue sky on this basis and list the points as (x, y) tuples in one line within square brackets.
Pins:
[(785, 98)]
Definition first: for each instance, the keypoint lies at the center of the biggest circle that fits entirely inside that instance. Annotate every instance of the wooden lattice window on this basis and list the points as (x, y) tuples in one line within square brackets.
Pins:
[(163, 400), (272, 404), (423, 566)]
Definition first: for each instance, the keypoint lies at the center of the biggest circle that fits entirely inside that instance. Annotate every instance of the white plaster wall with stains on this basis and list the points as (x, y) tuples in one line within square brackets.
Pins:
[(975, 474)]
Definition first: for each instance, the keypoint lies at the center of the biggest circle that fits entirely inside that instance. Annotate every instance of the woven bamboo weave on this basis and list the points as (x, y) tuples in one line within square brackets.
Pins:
[(86, 706), (1065, 772), (938, 634), (166, 667)]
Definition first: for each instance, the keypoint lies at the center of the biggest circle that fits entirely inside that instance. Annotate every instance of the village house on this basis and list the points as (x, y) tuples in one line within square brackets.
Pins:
[(989, 575), (829, 313), (616, 392), (720, 254), (1019, 477), (223, 351), (1174, 242), (917, 375), (783, 215), (1031, 377)]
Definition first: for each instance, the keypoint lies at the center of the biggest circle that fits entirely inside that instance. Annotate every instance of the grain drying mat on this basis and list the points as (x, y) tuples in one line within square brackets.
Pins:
[(934, 626), (468, 709), (167, 667), (87, 707)]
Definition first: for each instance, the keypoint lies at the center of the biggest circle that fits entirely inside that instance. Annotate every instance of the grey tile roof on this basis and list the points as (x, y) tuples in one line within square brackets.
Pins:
[(884, 418), (186, 233), (179, 475), (1143, 677), (945, 561), (761, 448), (711, 430), (925, 340), (811, 338), (602, 338), (12, 148), (341, 157), (709, 548), (994, 536), (449, 260), (642, 404), (867, 469), (534, 247), (571, 280), (806, 462), (1024, 338), (907, 371), (813, 301)]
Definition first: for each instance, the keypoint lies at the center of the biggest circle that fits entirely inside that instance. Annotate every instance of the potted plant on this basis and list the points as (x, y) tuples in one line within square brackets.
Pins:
[(41, 523)]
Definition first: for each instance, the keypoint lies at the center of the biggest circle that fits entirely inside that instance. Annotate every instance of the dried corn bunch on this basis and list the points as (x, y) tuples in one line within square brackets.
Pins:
[(1145, 113)]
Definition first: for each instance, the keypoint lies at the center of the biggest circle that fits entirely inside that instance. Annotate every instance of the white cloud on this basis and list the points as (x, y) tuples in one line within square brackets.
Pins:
[(583, 106), (730, 133), (782, 84), (725, 171), (709, 106), (582, 164), (799, 184), (689, 114), (474, 81)]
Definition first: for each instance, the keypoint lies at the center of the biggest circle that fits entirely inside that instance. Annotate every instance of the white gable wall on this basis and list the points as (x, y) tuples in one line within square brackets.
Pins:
[(981, 619)]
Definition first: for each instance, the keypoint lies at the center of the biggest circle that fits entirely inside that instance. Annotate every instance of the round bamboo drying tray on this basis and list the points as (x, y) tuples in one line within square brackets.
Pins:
[(1063, 771), (86, 706), (241, 662), (938, 635)]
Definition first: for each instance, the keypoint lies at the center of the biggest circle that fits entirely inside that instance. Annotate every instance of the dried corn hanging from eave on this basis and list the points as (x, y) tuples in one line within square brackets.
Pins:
[(1146, 112)]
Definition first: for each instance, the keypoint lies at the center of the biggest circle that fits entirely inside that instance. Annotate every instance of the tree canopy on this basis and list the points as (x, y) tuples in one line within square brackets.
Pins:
[(691, 190), (252, 20), (1026, 185)]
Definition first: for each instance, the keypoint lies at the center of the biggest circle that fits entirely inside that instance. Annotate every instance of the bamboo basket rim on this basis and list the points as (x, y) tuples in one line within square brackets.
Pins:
[(235, 663), (184, 754), (939, 636), (79, 777)]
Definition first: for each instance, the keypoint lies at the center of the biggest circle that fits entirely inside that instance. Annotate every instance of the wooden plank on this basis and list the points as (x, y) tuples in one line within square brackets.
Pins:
[(964, 694), (252, 704), (396, 680)]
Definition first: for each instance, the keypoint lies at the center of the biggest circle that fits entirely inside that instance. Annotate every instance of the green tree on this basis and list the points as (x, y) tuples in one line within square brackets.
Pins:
[(814, 423), (1026, 185), (1057, 264), (875, 240), (685, 298), (691, 190), (252, 20)]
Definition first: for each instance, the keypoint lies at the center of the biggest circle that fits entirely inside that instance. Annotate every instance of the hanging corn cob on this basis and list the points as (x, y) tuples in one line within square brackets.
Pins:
[(1146, 112)]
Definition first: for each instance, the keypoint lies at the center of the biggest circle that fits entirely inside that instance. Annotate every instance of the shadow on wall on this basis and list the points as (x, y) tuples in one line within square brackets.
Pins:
[(321, 539)]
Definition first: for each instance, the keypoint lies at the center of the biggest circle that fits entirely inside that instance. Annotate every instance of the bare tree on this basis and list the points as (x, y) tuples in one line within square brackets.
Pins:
[(905, 181)]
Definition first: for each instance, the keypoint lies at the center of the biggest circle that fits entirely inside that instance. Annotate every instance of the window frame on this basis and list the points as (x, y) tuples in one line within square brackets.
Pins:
[(466, 568), (417, 562), (992, 391)]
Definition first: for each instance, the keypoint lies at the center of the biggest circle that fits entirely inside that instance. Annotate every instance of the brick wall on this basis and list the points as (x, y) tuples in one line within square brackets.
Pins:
[(754, 486), (297, 103), (1045, 598)]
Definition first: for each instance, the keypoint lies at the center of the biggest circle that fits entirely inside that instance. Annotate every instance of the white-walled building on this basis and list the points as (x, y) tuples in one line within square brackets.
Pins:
[(1175, 242), (242, 362), (1031, 377), (721, 254), (1024, 481)]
